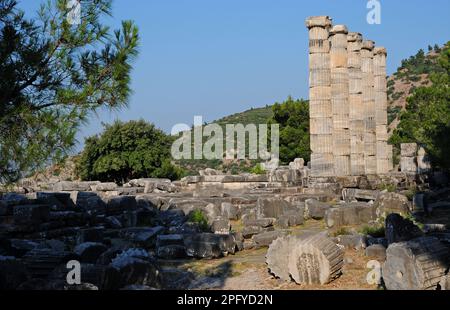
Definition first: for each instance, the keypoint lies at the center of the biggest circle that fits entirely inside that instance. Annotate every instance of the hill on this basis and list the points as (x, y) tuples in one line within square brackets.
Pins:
[(412, 73), (252, 116)]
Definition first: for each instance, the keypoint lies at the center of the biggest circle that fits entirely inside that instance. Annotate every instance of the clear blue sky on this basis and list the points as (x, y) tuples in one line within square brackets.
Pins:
[(219, 57)]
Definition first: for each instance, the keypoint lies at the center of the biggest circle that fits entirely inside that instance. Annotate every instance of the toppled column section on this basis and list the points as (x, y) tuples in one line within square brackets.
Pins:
[(357, 164), (339, 100), (368, 82), (380, 88), (321, 114)]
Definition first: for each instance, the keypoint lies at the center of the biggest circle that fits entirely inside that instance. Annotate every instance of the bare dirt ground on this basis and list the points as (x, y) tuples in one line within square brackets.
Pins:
[(247, 270)]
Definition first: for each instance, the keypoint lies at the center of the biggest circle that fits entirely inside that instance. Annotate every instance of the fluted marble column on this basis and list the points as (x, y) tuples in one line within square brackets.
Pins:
[(340, 100), (368, 82), (381, 118), (357, 108), (321, 114)]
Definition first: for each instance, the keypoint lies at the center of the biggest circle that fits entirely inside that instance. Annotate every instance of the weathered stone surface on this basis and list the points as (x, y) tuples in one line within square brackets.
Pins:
[(349, 214), (283, 222), (143, 236), (209, 246), (87, 201), (408, 149), (142, 182), (41, 262), (315, 259), (93, 234), (388, 203), (68, 186), (266, 238), (121, 203), (187, 205), (444, 284), (352, 194), (173, 251), (356, 241), (277, 257), (230, 211), (399, 229), (417, 264), (136, 267), (433, 228), (271, 207), (31, 214), (58, 201), (290, 219), (262, 222), (249, 244), (239, 240), (89, 252), (104, 187), (376, 251), (209, 193), (174, 239), (315, 209), (221, 226), (250, 231), (297, 164)]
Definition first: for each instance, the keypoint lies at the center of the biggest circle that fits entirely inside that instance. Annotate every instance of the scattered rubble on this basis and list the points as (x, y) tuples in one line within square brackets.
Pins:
[(129, 237)]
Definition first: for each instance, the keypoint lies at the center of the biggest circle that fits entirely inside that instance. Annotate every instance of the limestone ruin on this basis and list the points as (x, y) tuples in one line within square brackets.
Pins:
[(348, 102), (146, 233)]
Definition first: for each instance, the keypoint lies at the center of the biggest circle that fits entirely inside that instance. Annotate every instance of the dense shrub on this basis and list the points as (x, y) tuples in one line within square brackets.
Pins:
[(127, 151), (293, 118)]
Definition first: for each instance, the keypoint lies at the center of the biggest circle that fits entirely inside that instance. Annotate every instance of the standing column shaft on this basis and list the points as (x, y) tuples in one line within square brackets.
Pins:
[(368, 82), (321, 116), (357, 109), (380, 88), (340, 100)]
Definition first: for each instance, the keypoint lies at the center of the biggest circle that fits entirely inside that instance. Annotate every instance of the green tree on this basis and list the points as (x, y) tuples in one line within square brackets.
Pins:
[(426, 120), (125, 151), (293, 118), (53, 74)]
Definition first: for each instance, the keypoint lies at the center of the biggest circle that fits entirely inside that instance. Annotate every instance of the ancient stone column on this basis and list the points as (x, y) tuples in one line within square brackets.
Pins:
[(381, 119), (357, 109), (321, 114), (390, 157), (368, 82), (340, 100), (408, 161)]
